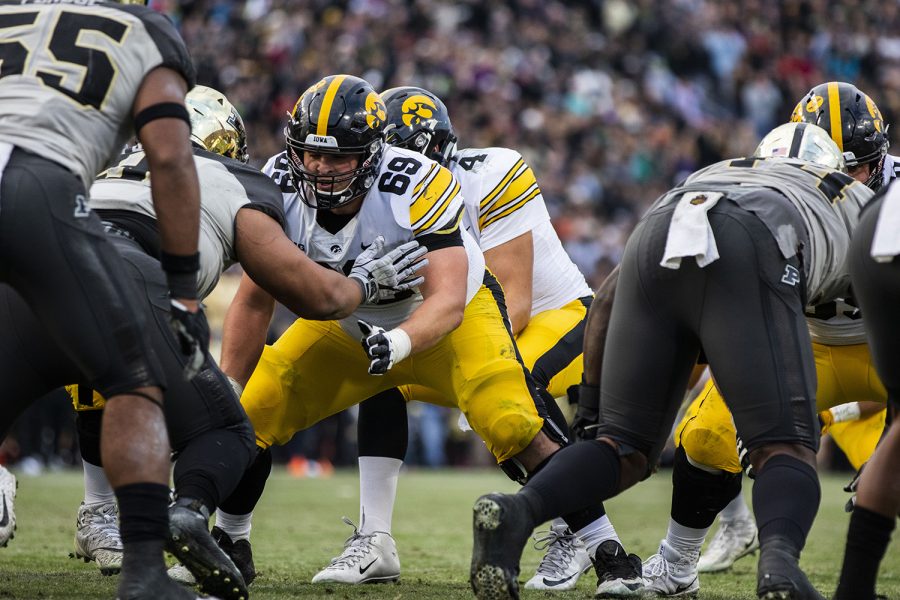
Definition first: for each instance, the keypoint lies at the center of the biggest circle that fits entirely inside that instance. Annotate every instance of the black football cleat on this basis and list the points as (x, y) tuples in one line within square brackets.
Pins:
[(501, 528), (156, 586), (192, 544), (240, 552), (779, 576), (619, 575)]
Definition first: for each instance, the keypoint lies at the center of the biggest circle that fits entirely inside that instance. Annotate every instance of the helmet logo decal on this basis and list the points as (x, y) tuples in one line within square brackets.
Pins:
[(797, 115), (377, 113), (814, 104), (875, 113), (417, 109)]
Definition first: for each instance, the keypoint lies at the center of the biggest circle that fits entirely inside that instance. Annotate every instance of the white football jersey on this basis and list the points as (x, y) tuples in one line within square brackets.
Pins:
[(430, 204), (503, 201), (226, 186), (71, 71)]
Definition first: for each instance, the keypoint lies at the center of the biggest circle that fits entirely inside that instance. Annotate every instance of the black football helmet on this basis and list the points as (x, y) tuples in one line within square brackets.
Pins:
[(419, 121), (341, 114), (852, 120)]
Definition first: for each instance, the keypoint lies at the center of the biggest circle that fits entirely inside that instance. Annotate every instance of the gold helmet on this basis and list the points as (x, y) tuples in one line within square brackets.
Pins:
[(216, 124)]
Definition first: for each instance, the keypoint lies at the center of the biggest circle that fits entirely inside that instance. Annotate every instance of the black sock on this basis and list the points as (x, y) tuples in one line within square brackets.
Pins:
[(578, 478), (786, 497), (211, 465), (88, 424), (250, 488), (698, 495), (867, 541), (143, 523), (382, 428)]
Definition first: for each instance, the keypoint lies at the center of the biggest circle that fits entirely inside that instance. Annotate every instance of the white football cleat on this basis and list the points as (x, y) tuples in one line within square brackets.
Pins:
[(733, 540), (367, 558), (670, 574), (97, 536), (565, 561), (8, 485), (178, 572)]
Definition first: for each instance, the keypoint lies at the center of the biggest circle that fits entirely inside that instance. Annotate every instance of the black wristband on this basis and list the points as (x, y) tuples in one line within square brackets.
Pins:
[(181, 273), (163, 110), (179, 263), (182, 285)]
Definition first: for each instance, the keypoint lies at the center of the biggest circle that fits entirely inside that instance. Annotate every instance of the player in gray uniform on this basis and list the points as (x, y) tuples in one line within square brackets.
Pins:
[(77, 80), (242, 219), (875, 270), (722, 264)]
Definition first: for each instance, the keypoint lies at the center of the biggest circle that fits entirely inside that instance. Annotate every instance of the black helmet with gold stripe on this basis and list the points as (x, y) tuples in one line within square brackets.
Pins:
[(419, 121), (853, 121), (339, 115)]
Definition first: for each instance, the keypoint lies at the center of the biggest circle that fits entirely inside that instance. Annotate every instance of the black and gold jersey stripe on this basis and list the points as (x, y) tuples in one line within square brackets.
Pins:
[(435, 196), (517, 188)]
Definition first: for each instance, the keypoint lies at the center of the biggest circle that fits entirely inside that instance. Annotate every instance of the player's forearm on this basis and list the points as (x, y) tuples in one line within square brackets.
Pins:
[(244, 335), (597, 327), (432, 320), (333, 296)]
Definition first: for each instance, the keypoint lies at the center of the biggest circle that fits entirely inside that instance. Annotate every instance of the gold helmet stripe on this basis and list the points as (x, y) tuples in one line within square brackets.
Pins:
[(834, 112), (325, 110)]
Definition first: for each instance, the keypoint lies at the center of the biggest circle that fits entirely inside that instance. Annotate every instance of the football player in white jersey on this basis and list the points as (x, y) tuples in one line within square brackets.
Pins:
[(77, 80), (342, 187), (547, 306), (850, 397), (875, 271), (722, 264), (242, 219)]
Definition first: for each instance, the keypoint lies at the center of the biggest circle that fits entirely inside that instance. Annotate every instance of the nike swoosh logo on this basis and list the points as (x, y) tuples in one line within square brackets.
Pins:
[(5, 520), (363, 570), (556, 582)]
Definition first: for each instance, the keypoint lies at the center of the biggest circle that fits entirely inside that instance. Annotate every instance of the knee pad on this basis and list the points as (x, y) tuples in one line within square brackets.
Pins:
[(699, 495)]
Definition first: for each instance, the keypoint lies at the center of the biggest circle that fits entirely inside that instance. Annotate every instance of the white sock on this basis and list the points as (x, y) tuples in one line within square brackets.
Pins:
[(685, 540), (97, 489), (236, 526), (596, 533), (736, 509), (377, 491)]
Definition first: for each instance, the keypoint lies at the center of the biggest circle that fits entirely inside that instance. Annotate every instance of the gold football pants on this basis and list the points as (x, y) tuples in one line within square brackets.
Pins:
[(315, 370), (844, 374)]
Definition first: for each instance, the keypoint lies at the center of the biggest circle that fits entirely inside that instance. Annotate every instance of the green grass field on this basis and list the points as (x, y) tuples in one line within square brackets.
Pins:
[(297, 529)]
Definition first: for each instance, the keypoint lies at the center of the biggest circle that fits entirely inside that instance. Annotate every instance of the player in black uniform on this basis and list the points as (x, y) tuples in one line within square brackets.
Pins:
[(722, 264), (875, 269), (78, 79)]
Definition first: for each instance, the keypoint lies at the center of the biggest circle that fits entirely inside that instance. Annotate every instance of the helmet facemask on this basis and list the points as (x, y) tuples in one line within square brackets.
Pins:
[(332, 190)]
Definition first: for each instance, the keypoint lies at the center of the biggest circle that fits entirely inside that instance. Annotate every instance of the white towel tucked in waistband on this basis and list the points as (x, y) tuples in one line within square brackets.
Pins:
[(690, 233), (5, 151), (886, 241)]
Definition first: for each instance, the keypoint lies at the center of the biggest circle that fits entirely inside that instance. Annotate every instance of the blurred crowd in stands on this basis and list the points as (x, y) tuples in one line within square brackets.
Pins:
[(610, 101)]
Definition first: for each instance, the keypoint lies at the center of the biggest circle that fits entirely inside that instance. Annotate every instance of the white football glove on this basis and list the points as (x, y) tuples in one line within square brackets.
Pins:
[(395, 271), (384, 348)]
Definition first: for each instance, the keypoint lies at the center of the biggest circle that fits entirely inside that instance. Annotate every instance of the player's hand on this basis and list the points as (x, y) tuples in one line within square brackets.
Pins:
[(826, 420), (397, 270), (587, 415), (192, 332), (384, 348)]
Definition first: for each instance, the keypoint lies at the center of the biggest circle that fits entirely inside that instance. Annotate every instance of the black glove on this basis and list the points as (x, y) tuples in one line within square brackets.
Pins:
[(192, 332), (587, 415), (384, 348)]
